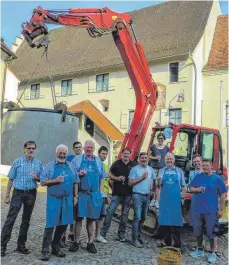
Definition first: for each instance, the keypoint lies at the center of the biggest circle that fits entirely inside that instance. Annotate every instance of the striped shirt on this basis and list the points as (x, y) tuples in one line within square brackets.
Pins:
[(21, 170)]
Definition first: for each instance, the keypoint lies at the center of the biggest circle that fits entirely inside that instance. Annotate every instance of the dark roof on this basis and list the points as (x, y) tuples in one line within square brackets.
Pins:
[(6, 49), (168, 29), (218, 58)]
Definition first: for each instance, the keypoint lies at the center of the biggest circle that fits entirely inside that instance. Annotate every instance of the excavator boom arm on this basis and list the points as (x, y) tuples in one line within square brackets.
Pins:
[(99, 22)]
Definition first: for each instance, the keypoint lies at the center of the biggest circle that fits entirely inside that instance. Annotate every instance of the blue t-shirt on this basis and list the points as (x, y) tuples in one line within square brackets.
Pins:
[(192, 175), (158, 152), (207, 202), (143, 186)]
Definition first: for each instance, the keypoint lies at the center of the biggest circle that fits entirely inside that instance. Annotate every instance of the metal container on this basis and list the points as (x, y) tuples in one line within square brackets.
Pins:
[(44, 126)]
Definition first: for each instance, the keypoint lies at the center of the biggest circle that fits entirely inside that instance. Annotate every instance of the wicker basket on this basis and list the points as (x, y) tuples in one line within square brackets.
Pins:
[(169, 256)]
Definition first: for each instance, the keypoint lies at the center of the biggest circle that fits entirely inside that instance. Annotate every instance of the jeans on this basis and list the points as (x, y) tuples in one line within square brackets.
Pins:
[(171, 233), (27, 198), (140, 206), (47, 238), (115, 200)]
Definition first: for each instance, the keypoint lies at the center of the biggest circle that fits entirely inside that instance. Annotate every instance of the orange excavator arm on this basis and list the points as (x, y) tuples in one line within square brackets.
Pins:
[(99, 22)]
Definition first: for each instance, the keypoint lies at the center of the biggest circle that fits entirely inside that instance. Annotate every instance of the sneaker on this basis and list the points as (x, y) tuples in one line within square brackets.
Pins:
[(45, 256), (157, 205), (152, 203), (197, 253), (122, 239), (212, 258), (59, 253), (101, 239), (91, 248), (71, 238), (137, 244), (74, 247)]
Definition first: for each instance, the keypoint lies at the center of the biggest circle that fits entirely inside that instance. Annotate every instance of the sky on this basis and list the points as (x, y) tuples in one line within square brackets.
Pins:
[(14, 13)]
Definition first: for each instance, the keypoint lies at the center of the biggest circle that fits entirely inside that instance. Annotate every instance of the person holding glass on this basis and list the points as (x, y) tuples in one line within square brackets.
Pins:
[(157, 155), (121, 192)]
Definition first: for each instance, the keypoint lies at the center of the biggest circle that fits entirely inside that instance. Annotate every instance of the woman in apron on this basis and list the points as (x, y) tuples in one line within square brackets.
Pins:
[(171, 180)]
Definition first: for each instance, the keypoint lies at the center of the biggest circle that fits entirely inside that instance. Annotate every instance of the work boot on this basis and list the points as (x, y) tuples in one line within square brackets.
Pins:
[(45, 256), (22, 249), (91, 248), (58, 252), (74, 247)]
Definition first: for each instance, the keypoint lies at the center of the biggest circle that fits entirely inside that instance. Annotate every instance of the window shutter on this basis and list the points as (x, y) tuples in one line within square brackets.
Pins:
[(124, 120), (92, 84), (112, 81)]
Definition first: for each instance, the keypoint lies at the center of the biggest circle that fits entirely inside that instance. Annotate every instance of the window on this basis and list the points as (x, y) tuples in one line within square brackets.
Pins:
[(175, 116), (66, 87), (173, 72), (131, 116), (207, 146), (102, 82), (89, 126), (35, 91)]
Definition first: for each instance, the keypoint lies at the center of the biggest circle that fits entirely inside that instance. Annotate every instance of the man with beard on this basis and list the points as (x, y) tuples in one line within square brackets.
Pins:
[(91, 172), (121, 192), (23, 176), (197, 163), (59, 178), (141, 178)]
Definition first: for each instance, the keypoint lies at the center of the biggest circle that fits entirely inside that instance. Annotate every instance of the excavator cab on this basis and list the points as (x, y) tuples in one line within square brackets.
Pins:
[(184, 142)]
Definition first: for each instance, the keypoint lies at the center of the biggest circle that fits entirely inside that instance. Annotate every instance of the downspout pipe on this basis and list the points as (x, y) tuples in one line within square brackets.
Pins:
[(195, 90), (195, 86)]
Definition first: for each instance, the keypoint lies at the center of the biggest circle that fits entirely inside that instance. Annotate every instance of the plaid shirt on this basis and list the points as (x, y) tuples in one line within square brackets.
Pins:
[(21, 170)]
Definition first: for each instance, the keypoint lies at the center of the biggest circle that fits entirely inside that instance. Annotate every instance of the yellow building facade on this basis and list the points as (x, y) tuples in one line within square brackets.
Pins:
[(176, 65)]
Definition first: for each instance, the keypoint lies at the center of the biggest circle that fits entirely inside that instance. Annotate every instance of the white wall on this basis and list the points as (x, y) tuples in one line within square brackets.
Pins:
[(11, 88)]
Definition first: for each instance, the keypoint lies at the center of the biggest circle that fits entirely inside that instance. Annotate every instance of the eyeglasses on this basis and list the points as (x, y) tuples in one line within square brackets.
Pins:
[(30, 148)]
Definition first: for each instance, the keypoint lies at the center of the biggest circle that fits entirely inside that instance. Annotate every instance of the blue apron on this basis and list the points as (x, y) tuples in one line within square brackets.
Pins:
[(170, 199), (59, 209), (89, 196)]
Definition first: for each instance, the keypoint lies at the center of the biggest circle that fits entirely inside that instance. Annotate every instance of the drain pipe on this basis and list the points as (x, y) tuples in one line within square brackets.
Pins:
[(195, 86)]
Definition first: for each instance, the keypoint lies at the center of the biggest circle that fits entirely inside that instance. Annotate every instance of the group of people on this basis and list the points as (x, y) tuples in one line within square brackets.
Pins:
[(78, 188)]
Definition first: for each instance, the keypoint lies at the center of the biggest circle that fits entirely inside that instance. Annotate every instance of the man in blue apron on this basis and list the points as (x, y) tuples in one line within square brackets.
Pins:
[(171, 180), (59, 178), (91, 172)]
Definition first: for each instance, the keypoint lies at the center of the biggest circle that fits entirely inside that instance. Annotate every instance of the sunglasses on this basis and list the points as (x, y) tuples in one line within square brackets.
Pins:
[(30, 148)]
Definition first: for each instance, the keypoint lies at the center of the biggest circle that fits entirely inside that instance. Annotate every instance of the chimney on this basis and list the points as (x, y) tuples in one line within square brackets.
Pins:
[(17, 43)]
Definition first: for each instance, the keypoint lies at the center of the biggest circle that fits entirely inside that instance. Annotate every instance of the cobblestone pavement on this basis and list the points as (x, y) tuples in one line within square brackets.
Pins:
[(108, 254)]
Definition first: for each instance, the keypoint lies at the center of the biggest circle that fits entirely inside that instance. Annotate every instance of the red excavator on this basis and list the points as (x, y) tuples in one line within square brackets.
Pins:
[(184, 140)]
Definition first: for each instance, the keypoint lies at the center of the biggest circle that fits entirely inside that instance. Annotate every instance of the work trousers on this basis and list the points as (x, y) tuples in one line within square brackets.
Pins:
[(171, 235), (115, 200), (48, 238), (26, 198)]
